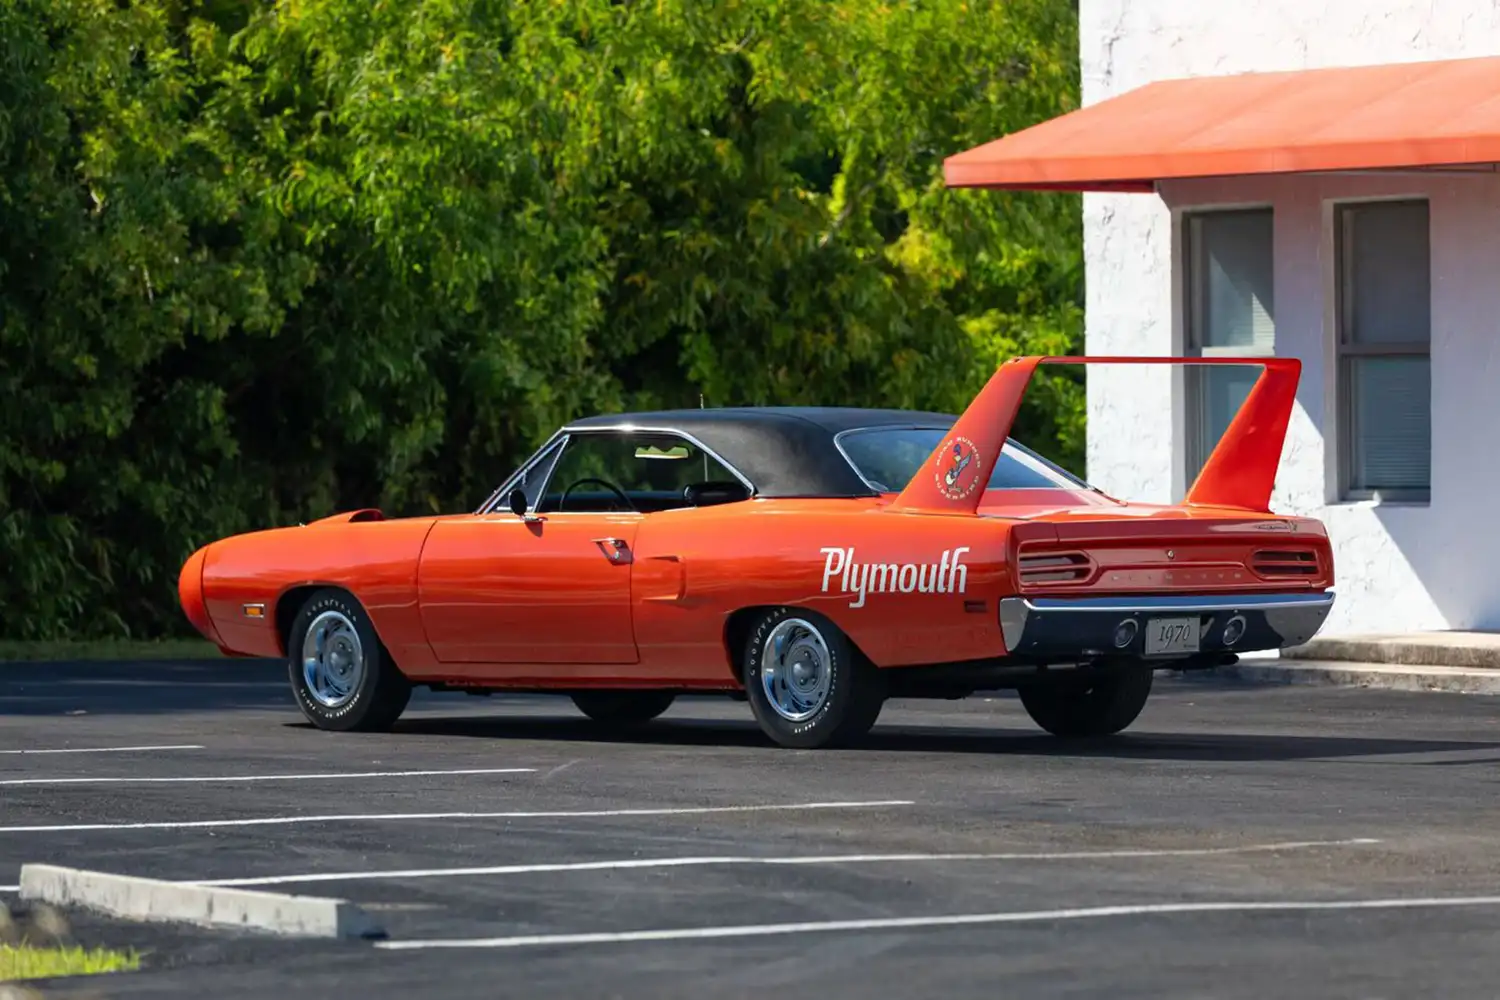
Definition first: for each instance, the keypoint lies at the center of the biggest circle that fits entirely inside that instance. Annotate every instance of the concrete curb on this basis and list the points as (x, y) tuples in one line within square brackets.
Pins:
[(19, 991), (1381, 676), (151, 900), (1425, 649)]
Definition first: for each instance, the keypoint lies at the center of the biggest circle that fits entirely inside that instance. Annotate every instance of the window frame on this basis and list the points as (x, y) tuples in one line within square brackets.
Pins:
[(1346, 351), (1194, 304)]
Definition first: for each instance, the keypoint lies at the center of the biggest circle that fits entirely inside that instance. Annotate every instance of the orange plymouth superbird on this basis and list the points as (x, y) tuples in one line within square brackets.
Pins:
[(812, 561)]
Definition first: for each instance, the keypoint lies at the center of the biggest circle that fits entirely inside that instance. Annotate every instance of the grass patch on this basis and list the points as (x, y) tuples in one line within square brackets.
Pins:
[(108, 649), (27, 962)]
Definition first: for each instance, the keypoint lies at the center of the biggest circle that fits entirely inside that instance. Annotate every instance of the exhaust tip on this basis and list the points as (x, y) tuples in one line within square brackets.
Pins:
[(1125, 632), (1234, 630)]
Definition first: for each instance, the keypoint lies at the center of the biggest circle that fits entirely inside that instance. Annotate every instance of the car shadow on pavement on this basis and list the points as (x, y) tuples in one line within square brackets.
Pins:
[(898, 738)]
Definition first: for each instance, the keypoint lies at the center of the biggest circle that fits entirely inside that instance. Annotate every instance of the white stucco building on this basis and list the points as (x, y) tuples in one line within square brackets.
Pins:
[(1349, 217)]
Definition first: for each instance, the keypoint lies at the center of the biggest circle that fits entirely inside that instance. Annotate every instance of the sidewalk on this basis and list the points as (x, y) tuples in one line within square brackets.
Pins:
[(1456, 662)]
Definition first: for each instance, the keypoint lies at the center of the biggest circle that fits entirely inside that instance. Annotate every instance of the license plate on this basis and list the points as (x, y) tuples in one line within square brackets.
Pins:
[(1171, 635)]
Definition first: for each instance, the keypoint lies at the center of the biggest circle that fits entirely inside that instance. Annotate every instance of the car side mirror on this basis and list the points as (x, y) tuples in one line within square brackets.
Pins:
[(517, 500)]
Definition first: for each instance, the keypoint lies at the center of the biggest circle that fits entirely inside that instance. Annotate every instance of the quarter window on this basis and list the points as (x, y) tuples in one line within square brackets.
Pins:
[(533, 477), (888, 457)]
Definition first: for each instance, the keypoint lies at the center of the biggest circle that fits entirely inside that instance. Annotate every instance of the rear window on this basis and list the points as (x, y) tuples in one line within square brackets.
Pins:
[(887, 458)]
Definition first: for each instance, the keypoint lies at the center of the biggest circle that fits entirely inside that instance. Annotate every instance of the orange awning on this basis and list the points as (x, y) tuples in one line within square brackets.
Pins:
[(1397, 116)]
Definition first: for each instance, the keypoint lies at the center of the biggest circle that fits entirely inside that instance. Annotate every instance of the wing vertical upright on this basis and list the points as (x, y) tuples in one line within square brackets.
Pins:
[(1240, 472)]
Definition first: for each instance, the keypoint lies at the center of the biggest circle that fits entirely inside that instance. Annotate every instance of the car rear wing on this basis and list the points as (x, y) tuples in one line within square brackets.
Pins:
[(1240, 472)]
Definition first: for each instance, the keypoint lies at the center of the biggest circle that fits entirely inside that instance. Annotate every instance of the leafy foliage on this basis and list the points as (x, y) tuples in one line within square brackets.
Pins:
[(262, 261)]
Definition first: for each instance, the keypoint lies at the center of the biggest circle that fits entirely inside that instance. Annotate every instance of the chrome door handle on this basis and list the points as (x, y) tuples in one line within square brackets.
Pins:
[(616, 550)]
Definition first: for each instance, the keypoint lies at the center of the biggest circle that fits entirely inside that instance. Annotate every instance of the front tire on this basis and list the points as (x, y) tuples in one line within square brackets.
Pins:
[(341, 675), (1104, 707), (623, 708), (806, 683)]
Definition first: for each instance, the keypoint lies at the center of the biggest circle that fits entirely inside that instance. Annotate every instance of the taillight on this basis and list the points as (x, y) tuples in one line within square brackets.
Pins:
[(1284, 562), (1054, 567)]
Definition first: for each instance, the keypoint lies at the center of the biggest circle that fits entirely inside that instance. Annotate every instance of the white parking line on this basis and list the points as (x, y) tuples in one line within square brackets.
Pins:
[(827, 859), (955, 920), (397, 817), (98, 682), (184, 746), (211, 778)]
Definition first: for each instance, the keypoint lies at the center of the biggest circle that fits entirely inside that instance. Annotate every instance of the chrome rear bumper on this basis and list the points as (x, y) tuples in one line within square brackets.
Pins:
[(1073, 628)]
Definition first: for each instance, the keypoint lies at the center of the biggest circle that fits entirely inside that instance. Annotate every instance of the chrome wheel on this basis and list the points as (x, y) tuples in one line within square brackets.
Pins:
[(333, 660), (796, 670)]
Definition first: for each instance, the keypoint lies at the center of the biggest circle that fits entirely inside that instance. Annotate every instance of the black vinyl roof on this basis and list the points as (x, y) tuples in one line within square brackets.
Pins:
[(785, 451)]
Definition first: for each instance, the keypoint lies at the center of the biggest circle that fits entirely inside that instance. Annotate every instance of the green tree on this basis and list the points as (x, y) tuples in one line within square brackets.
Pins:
[(261, 262)]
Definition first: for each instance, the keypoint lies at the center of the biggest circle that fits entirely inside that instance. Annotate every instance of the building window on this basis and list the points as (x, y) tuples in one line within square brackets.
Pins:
[(1230, 311), (1384, 350)]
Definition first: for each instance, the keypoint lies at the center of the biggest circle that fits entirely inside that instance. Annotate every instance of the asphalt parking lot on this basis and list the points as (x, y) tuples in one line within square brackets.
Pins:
[(1238, 841)]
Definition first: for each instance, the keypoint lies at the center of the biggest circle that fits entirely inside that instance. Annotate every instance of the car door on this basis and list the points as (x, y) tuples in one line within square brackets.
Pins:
[(549, 587), (496, 588), (554, 586)]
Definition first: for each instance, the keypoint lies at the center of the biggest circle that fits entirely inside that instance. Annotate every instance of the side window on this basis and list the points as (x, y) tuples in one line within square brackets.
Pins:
[(629, 470)]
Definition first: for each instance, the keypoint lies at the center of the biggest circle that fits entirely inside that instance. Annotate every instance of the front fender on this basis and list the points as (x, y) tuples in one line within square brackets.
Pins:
[(245, 577)]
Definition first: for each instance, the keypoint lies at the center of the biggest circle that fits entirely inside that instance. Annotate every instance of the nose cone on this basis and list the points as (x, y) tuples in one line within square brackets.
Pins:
[(190, 595)]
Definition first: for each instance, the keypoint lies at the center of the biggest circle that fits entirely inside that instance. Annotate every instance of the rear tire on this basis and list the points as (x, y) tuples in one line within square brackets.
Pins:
[(623, 708), (806, 683), (1102, 708), (341, 675)]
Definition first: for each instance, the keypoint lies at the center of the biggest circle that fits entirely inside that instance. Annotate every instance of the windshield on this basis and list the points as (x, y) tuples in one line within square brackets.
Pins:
[(887, 458)]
